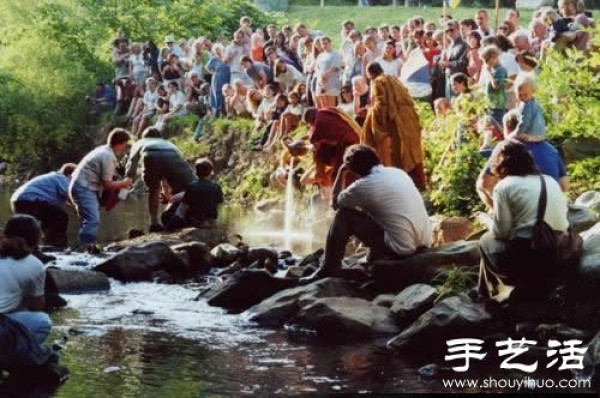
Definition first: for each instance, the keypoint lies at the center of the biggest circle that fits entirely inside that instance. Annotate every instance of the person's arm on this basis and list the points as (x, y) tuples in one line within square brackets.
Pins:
[(525, 120), (338, 186), (485, 186), (133, 160), (34, 295), (107, 174), (502, 216)]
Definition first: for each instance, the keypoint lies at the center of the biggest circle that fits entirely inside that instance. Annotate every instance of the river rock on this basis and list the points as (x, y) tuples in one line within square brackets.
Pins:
[(581, 218), (137, 263), (579, 148), (453, 229), (411, 302), (195, 255), (62, 281), (279, 308), (591, 200), (384, 300), (453, 317), (267, 205), (224, 254), (312, 259), (245, 289), (591, 360), (588, 269), (211, 237), (395, 275), (345, 319), (266, 257), (299, 272)]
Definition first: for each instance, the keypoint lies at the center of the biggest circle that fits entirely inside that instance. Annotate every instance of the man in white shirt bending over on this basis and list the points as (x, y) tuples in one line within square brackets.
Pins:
[(382, 208)]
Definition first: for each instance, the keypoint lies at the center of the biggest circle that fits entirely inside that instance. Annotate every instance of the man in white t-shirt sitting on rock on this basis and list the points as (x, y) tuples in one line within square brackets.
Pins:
[(382, 208)]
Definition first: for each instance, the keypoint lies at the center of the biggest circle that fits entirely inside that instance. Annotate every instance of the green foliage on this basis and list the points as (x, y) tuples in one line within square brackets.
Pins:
[(452, 158), (454, 280), (568, 89), (254, 186), (584, 176), (53, 52)]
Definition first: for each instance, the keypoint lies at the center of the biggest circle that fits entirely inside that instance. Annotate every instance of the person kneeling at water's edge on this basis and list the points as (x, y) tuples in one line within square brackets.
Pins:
[(392, 220)]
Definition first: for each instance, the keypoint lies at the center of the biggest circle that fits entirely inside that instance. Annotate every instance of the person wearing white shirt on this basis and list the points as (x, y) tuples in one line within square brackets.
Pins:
[(389, 62), (506, 252), (149, 108), (382, 208)]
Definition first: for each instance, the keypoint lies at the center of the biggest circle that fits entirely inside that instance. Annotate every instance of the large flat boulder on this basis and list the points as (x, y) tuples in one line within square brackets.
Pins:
[(139, 263), (195, 256), (281, 307), (454, 317), (66, 281), (346, 319), (412, 302), (244, 289), (395, 275), (581, 218), (211, 237), (591, 200)]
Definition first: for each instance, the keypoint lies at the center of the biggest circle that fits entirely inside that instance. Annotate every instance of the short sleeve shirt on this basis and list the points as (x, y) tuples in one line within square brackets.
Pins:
[(96, 167), (20, 279)]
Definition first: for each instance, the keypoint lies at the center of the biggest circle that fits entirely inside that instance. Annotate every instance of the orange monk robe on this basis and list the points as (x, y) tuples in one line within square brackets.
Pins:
[(331, 133), (392, 127)]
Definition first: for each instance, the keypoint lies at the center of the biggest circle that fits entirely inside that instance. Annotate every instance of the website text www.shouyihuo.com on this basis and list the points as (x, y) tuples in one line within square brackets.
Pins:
[(516, 384)]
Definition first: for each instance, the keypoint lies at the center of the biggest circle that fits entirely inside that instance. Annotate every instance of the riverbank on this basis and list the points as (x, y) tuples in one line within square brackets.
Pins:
[(339, 335)]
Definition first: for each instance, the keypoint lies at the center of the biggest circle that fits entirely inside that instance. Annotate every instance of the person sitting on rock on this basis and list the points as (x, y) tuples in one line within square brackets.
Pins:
[(162, 164), (199, 205), (392, 220), (44, 197), (23, 276)]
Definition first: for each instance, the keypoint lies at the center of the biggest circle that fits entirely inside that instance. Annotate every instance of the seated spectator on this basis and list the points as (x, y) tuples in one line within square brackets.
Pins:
[(104, 100), (193, 91), (507, 260), (199, 206), (176, 102), (45, 197), (128, 93), (490, 133), (23, 276), (292, 116), (148, 108), (238, 100), (274, 133), (171, 71), (392, 220)]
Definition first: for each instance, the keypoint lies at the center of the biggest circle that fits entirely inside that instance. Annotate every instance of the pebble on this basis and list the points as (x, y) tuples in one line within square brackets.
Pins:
[(113, 369)]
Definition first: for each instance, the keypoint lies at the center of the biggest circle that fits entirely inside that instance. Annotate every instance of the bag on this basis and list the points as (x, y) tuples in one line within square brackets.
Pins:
[(557, 247)]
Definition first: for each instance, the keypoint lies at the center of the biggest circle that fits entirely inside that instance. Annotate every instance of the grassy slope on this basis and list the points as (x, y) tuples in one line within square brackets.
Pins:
[(329, 18)]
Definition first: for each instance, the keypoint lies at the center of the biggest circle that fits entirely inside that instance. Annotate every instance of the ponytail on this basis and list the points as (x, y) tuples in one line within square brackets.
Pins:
[(14, 247)]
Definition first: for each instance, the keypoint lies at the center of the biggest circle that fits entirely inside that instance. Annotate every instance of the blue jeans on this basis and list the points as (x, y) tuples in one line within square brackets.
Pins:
[(88, 207), (38, 323), (497, 115)]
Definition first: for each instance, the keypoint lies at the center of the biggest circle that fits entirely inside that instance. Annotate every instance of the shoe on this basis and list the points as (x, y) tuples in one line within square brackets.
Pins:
[(94, 249), (156, 228)]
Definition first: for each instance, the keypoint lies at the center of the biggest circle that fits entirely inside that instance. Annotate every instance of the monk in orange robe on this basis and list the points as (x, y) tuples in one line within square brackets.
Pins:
[(331, 132), (392, 125)]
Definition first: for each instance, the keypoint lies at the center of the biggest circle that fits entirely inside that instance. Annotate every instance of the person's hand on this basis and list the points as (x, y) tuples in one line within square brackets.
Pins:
[(127, 183)]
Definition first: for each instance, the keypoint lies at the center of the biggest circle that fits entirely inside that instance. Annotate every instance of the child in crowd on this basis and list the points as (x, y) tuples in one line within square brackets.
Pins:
[(490, 133), (347, 101), (301, 90), (526, 61), (531, 126), (496, 81), (265, 109), (290, 161), (292, 116), (441, 107), (281, 104), (228, 94)]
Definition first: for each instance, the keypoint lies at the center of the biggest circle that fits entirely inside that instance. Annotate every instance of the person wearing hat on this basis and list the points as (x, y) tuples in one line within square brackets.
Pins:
[(173, 49)]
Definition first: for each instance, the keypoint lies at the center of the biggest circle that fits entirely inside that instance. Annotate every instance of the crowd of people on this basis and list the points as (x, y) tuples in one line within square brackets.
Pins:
[(363, 133)]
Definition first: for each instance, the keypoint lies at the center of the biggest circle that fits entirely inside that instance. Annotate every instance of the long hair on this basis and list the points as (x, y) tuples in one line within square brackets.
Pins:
[(22, 235), (511, 158)]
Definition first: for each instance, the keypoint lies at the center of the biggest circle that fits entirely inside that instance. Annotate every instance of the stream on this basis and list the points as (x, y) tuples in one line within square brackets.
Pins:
[(155, 340)]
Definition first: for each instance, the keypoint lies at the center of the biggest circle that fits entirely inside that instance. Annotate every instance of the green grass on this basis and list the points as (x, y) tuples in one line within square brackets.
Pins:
[(329, 18)]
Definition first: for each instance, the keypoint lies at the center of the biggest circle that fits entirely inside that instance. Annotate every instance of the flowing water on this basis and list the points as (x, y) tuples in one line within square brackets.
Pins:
[(154, 340)]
